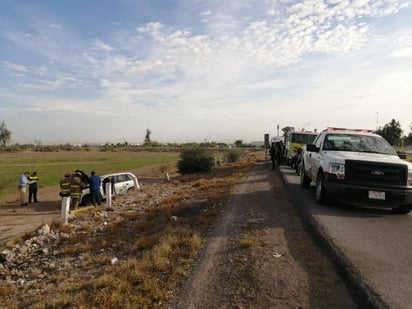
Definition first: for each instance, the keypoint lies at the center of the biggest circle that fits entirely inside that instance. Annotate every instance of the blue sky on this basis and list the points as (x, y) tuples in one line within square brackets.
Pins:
[(104, 71)]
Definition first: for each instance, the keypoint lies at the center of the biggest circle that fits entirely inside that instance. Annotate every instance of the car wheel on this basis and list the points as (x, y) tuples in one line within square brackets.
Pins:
[(304, 180), (402, 210), (321, 195), (86, 200)]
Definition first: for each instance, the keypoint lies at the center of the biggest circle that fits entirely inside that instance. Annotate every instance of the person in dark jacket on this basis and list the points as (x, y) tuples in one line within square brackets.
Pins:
[(272, 153), (95, 183), (33, 180)]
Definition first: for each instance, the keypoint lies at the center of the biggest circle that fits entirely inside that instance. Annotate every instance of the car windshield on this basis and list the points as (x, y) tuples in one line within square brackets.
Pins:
[(357, 143)]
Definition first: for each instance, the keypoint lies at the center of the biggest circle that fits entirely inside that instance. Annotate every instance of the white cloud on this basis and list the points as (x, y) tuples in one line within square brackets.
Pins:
[(100, 45), (62, 82), (16, 67), (54, 26), (405, 52)]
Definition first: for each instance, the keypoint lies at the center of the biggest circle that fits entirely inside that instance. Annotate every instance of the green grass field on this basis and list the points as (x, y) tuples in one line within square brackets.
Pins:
[(51, 166)]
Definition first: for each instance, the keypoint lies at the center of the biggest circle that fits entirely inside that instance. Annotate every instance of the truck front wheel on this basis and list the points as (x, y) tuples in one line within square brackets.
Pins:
[(321, 195), (304, 180)]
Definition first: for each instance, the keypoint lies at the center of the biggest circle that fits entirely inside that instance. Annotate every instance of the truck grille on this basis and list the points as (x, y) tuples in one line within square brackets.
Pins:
[(364, 172)]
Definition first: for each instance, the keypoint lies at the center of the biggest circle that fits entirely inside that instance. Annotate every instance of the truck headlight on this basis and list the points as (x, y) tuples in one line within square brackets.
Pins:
[(409, 177), (337, 169)]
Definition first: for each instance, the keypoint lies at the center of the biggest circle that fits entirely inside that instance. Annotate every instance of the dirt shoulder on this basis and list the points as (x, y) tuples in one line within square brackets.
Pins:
[(259, 256)]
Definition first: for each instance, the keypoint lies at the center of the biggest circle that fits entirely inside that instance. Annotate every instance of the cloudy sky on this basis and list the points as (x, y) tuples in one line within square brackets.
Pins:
[(106, 70)]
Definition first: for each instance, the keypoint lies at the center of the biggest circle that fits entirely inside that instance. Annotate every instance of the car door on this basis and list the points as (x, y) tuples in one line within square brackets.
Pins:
[(123, 183), (314, 158)]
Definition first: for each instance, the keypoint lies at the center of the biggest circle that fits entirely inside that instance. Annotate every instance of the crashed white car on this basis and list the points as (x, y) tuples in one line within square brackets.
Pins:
[(120, 184)]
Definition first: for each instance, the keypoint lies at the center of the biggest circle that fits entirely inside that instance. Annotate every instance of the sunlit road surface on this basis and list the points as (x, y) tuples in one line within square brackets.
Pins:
[(376, 242)]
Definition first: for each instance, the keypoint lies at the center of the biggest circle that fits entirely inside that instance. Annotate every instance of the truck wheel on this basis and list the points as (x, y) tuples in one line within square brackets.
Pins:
[(402, 210), (304, 180), (321, 196)]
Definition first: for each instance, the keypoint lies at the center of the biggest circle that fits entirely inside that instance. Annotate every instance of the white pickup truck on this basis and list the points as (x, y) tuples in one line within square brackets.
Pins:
[(359, 168)]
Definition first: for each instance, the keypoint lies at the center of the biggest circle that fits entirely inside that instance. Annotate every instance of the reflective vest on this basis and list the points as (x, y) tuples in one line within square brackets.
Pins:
[(65, 186), (75, 187), (33, 181)]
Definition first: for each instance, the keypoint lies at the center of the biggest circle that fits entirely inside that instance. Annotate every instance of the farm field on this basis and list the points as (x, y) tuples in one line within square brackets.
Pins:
[(51, 166)]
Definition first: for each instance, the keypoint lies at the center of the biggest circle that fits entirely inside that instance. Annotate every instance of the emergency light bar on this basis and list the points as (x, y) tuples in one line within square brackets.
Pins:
[(346, 129)]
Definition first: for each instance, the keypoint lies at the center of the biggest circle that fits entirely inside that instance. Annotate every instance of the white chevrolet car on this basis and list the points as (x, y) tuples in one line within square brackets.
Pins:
[(120, 184)]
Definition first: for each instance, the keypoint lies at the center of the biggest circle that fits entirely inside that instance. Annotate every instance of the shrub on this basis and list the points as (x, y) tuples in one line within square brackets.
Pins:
[(233, 155), (194, 160)]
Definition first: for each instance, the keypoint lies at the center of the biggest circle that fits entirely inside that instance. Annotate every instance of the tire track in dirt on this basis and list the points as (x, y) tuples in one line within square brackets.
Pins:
[(238, 267)]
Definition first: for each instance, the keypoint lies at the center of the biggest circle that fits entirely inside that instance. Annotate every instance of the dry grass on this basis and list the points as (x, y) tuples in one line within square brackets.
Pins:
[(248, 240), (12, 242), (153, 251)]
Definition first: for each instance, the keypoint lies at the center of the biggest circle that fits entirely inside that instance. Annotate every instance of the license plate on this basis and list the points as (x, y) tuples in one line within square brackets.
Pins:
[(376, 195)]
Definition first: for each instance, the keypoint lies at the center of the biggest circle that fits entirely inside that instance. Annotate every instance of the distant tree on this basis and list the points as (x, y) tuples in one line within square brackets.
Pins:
[(392, 132), (147, 136), (407, 139), (286, 130), (5, 134), (239, 143)]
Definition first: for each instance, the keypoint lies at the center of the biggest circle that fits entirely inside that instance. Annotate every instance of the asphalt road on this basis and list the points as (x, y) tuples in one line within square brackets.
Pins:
[(375, 244)]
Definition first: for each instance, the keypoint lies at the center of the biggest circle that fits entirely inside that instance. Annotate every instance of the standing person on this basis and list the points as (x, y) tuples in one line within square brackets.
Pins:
[(22, 185), (65, 185), (76, 187), (95, 183), (33, 180), (281, 153), (272, 153)]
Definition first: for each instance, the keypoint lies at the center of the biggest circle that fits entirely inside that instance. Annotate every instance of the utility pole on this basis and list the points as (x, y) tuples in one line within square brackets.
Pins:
[(377, 120)]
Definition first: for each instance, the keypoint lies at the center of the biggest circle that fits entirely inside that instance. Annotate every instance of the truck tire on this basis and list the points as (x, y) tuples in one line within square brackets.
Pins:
[(304, 180), (402, 210), (321, 194)]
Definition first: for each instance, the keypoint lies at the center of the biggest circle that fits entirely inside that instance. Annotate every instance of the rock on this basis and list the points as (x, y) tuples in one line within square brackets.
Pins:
[(44, 230), (114, 260), (23, 249)]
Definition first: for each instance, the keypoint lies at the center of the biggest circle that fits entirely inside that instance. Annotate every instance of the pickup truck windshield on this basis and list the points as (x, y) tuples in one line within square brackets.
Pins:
[(357, 143)]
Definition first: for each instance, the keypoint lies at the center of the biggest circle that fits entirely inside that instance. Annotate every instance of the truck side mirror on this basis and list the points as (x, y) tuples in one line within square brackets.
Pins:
[(402, 154), (312, 148)]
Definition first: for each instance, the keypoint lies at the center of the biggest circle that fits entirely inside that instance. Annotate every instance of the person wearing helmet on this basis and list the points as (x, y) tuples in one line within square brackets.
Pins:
[(65, 185), (76, 187)]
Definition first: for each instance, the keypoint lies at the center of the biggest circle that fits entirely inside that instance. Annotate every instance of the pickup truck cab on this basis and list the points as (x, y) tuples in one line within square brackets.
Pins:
[(358, 168)]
